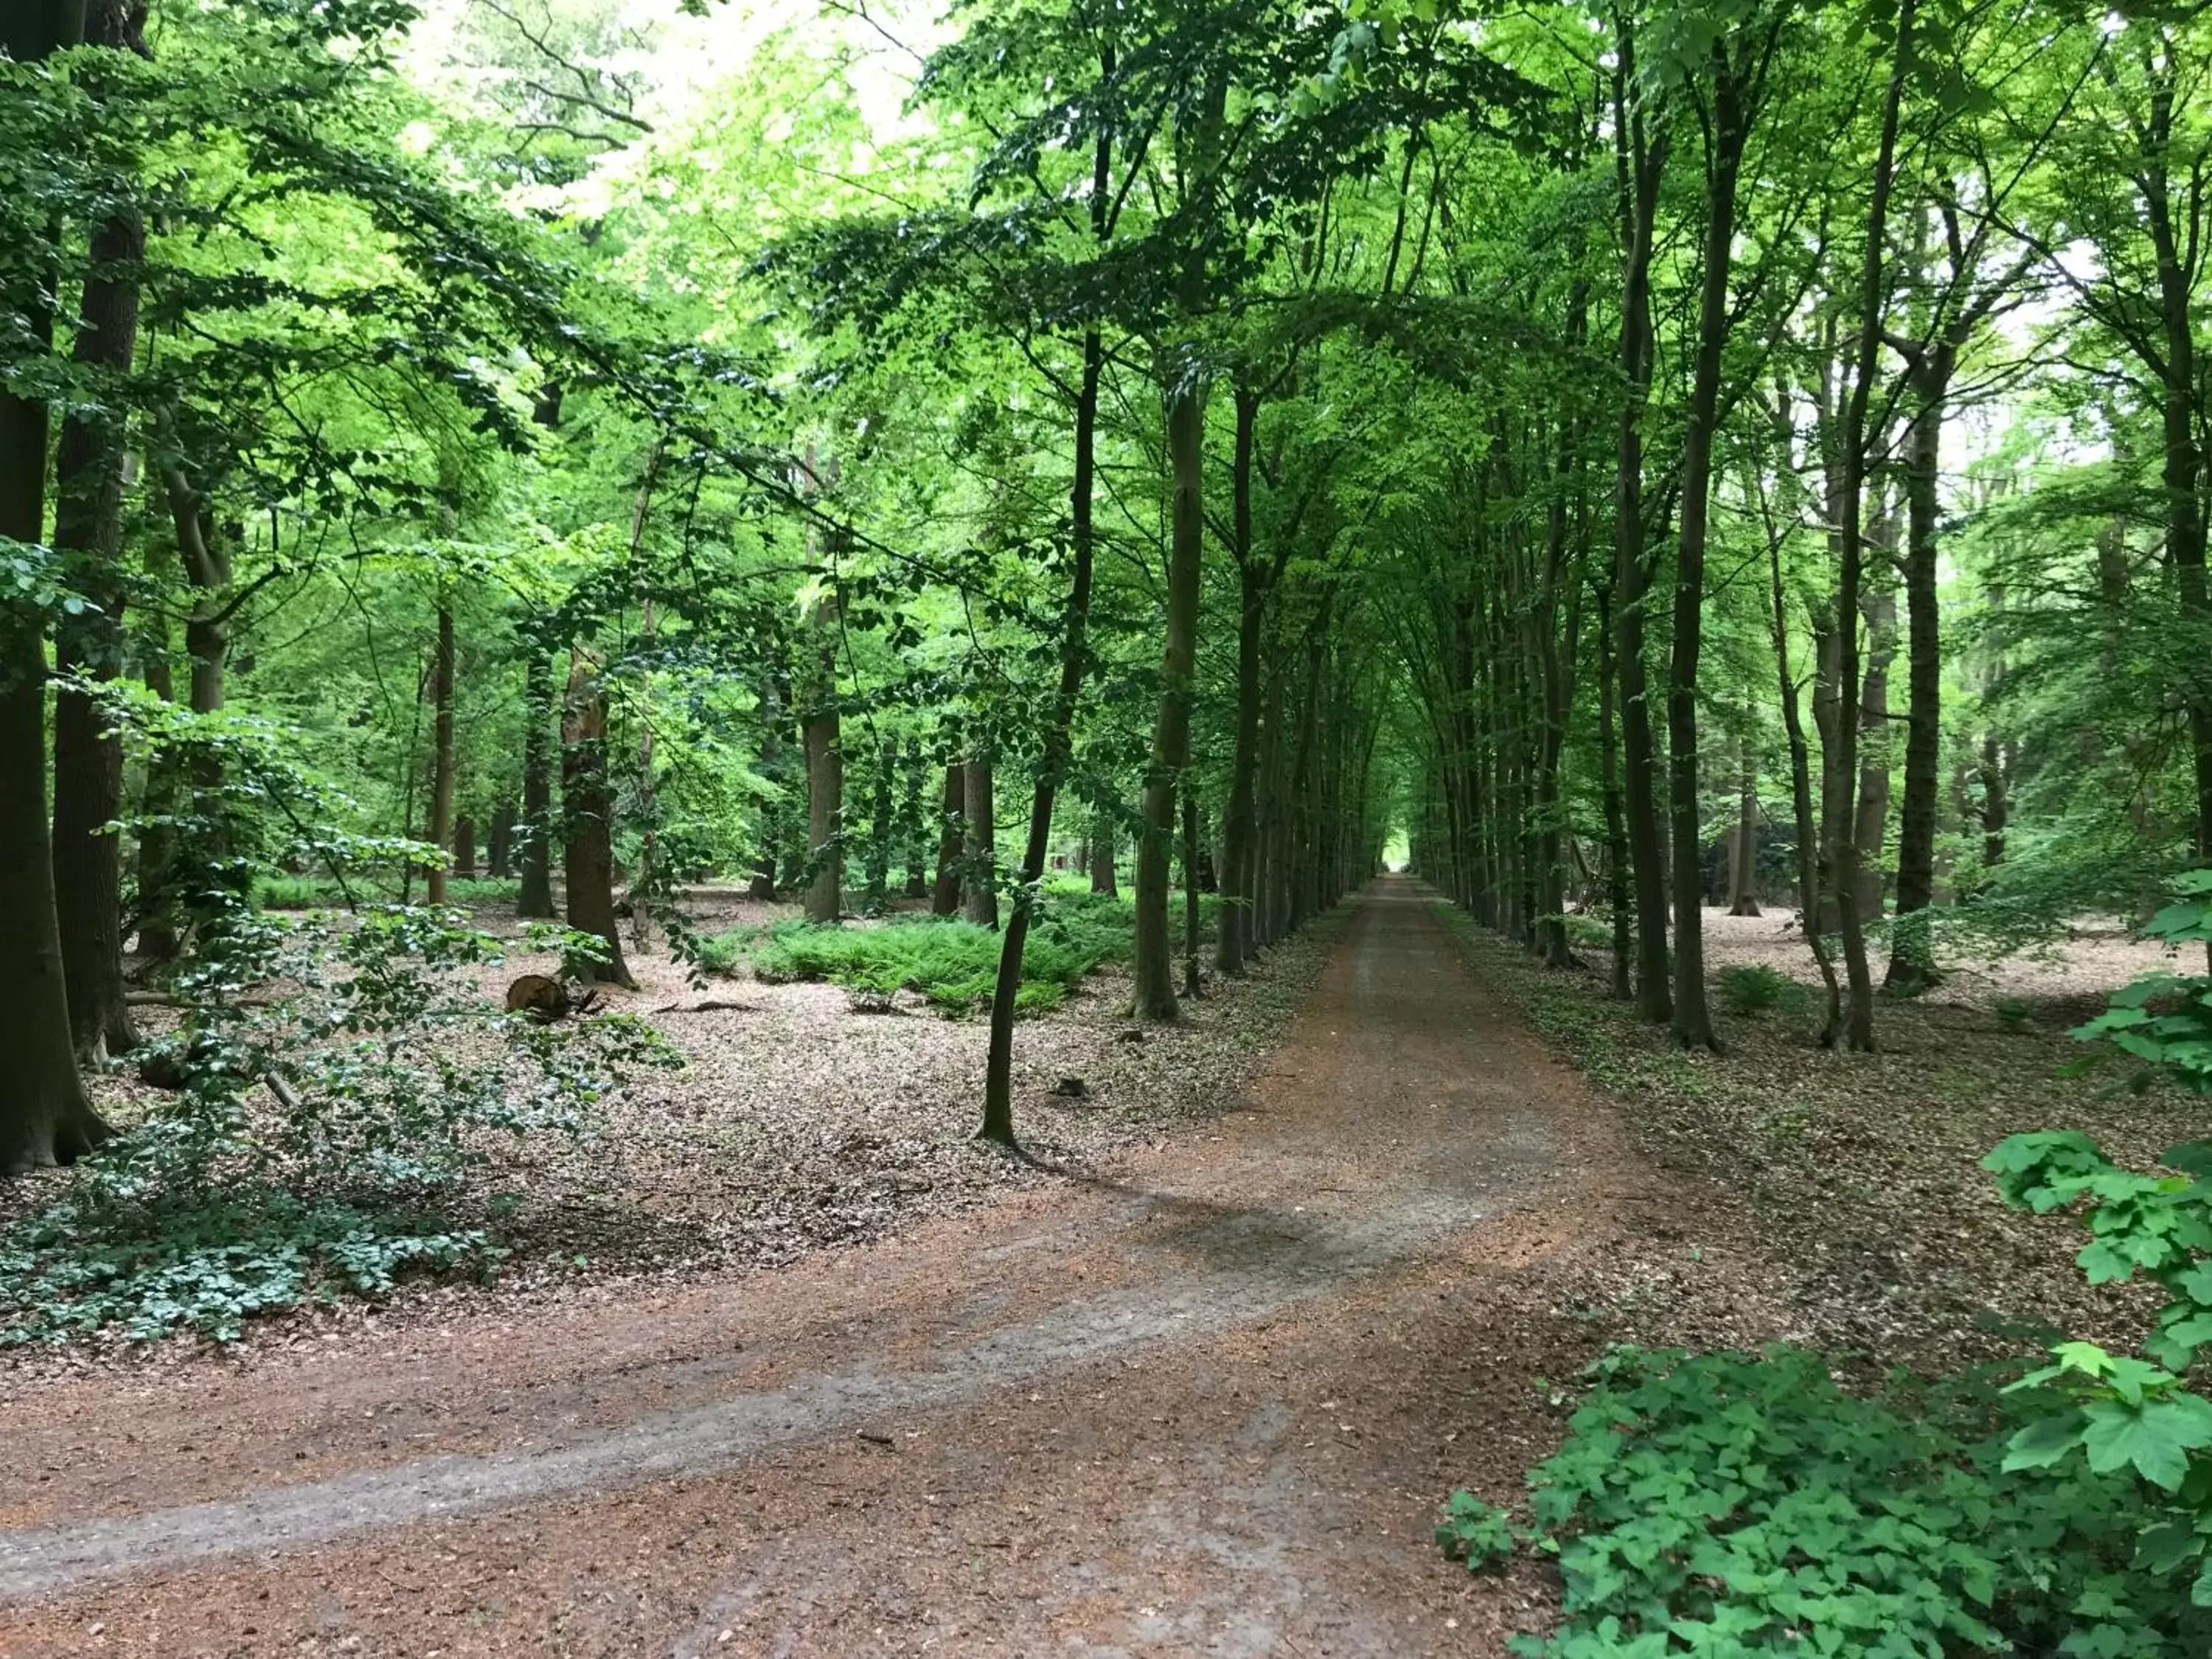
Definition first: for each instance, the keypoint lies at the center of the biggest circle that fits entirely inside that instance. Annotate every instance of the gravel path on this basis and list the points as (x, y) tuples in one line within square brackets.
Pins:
[(1207, 1405)]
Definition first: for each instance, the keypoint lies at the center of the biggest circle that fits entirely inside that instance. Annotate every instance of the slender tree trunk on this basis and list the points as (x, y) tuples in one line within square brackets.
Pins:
[(945, 897), (501, 843), (820, 735), (1911, 962), (1240, 825), (157, 934), (440, 831), (1623, 983), (1870, 821), (536, 898), (587, 808), (1732, 115), (1103, 877), (883, 827), (1858, 1025), (1190, 890), (1743, 845), (1640, 159), (980, 859), (914, 826), (88, 466), (1154, 969), (1801, 782), (771, 829), (1059, 736)]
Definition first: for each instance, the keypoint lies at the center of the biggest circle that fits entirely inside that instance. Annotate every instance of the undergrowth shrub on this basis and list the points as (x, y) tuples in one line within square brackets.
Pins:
[(1729, 1503), (335, 1083), (953, 963), (1756, 988)]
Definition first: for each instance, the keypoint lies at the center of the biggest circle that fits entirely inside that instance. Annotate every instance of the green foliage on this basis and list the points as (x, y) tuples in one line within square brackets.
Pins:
[(1729, 1503), (283, 891), (2165, 1020), (953, 963), (1754, 988), (335, 1085)]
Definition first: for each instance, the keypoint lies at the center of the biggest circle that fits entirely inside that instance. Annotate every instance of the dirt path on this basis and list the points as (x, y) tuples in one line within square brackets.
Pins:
[(1208, 1407)]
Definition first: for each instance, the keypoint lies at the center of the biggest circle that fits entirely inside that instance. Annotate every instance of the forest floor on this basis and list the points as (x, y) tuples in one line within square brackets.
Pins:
[(1200, 1393)]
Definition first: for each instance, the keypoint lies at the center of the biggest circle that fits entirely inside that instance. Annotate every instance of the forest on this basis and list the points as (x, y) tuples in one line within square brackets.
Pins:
[(551, 545)]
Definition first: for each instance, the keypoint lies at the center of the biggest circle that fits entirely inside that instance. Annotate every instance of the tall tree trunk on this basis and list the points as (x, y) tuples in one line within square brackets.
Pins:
[(587, 810), (1640, 159), (979, 858), (1623, 982), (89, 464), (945, 897), (1911, 961), (1800, 777), (536, 898), (45, 1118), (439, 833), (465, 846), (1729, 128), (1059, 735), (1190, 890), (1240, 825), (1154, 966), (1844, 866)]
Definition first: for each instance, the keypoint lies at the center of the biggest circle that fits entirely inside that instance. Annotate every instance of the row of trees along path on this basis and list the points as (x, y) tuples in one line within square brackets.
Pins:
[(1236, 436)]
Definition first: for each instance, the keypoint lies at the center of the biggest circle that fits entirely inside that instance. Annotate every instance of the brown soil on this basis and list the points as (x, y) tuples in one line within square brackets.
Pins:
[(1204, 1399)]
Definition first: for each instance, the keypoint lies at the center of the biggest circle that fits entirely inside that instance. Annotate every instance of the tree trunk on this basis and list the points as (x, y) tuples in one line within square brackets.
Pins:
[(1103, 877), (536, 897), (820, 735), (770, 832), (1059, 735), (1623, 983), (465, 846), (1190, 890), (1911, 962), (1640, 161), (157, 934), (499, 862), (1844, 865), (439, 833), (88, 465), (1996, 805), (915, 827), (45, 1118), (1870, 822), (1729, 128), (979, 857), (944, 898), (1743, 845), (1153, 968), (587, 810), (1240, 824), (883, 827), (1800, 774)]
